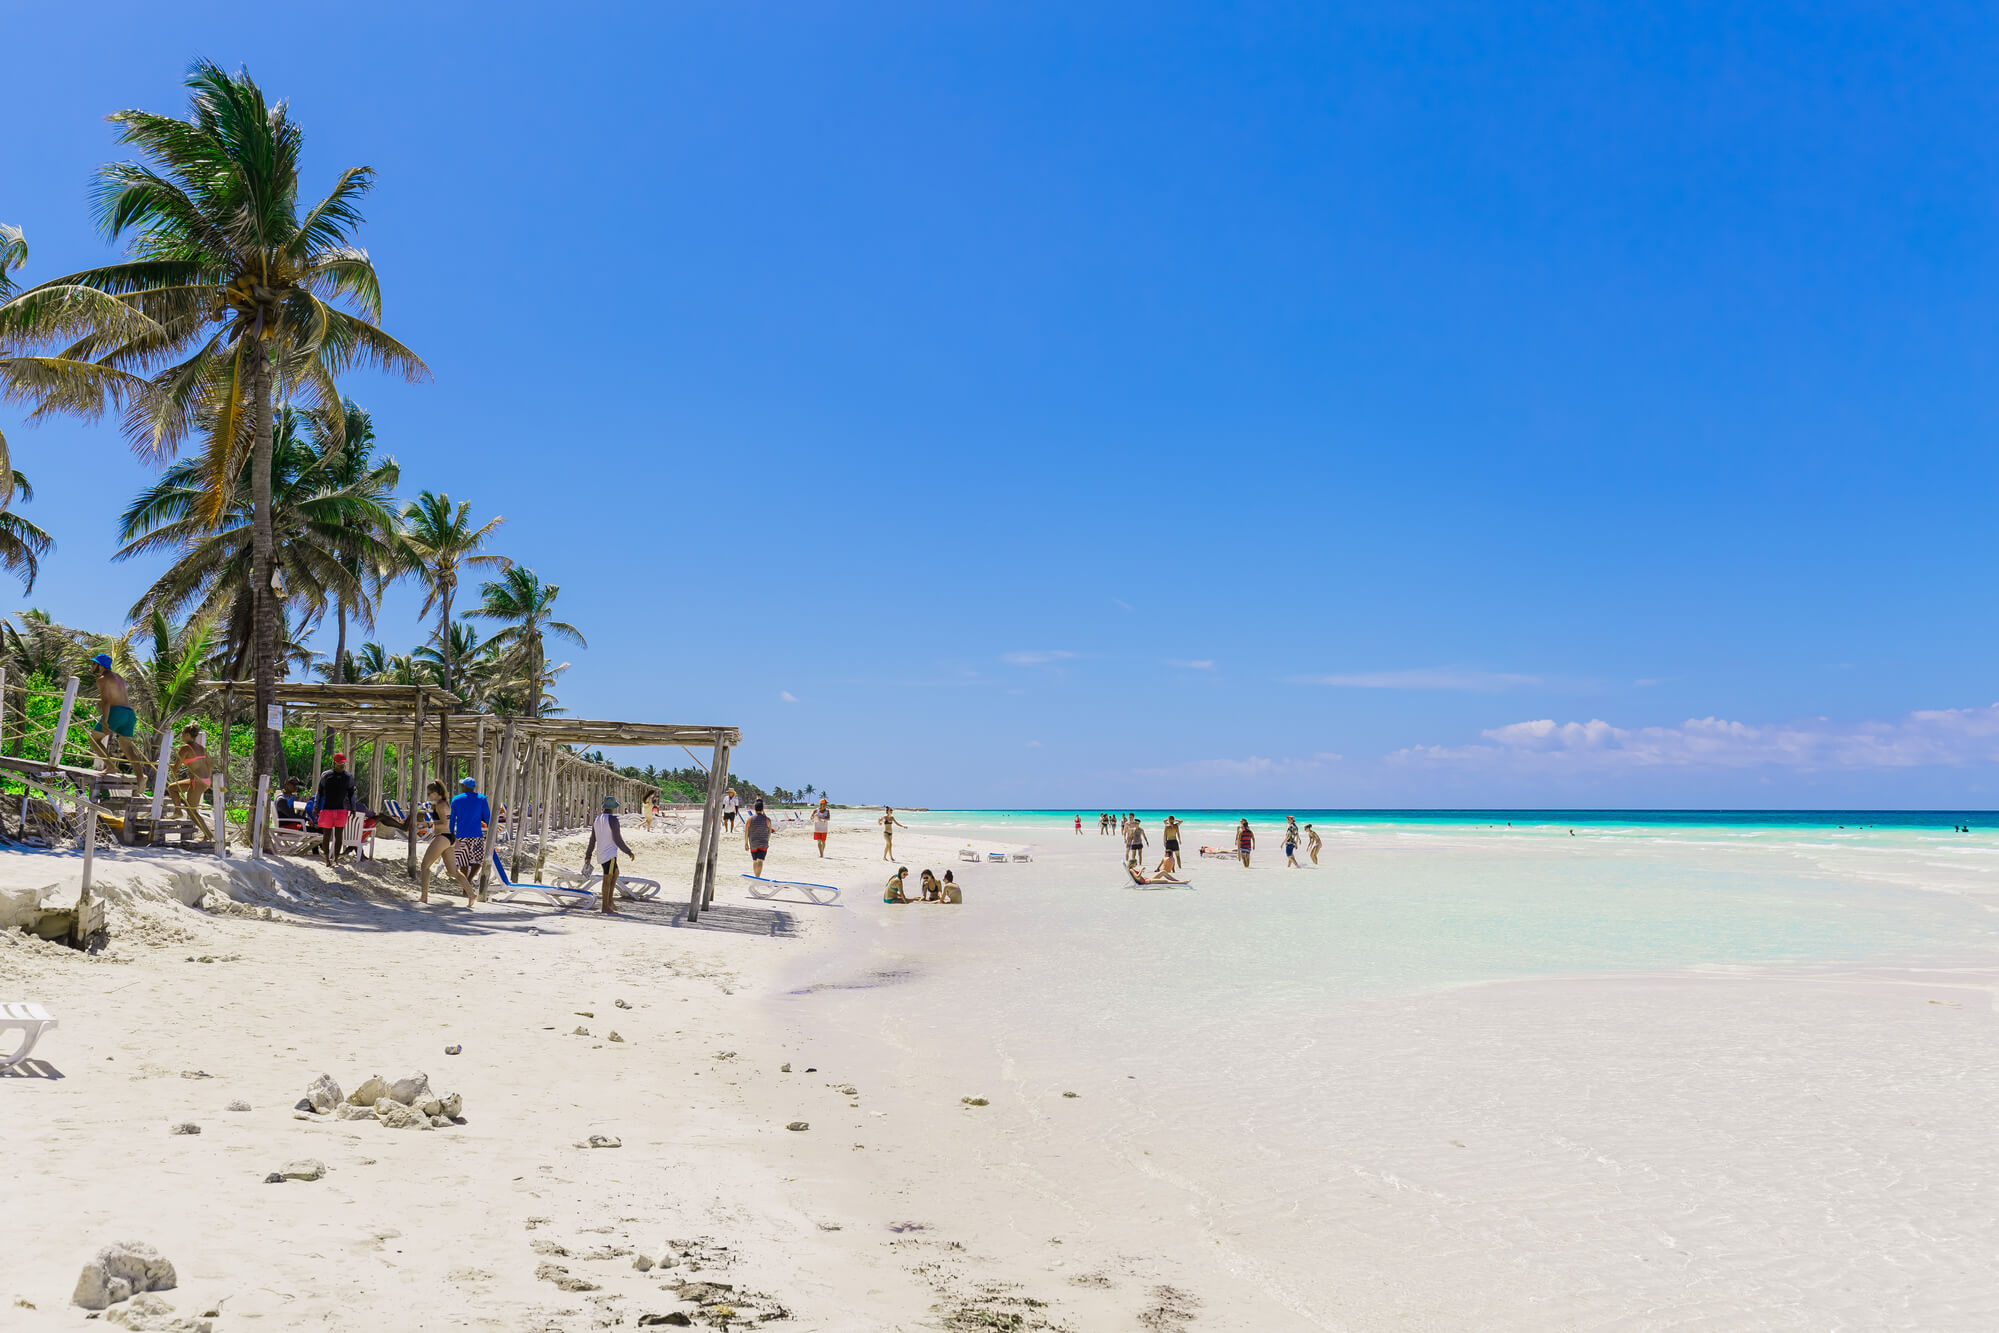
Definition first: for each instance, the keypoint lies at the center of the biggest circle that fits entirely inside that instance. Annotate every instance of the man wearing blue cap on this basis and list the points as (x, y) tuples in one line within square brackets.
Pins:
[(469, 817), (115, 717)]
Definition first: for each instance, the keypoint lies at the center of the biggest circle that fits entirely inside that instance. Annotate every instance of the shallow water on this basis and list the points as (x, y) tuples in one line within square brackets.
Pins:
[(1281, 1061)]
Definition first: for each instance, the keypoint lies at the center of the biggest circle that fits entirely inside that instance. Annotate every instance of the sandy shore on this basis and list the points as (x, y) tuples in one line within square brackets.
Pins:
[(297, 972)]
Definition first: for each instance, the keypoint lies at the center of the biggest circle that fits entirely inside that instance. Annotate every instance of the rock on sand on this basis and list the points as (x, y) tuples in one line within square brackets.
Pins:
[(119, 1272)]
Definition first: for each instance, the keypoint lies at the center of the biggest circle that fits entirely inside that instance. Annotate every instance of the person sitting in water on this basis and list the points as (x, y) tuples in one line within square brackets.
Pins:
[(894, 893), (948, 891), (931, 891)]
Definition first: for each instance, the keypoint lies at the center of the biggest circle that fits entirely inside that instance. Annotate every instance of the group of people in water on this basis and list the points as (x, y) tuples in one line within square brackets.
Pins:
[(1131, 829), (933, 889)]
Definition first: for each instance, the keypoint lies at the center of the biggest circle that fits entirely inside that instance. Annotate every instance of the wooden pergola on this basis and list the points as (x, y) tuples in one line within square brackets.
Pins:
[(523, 764)]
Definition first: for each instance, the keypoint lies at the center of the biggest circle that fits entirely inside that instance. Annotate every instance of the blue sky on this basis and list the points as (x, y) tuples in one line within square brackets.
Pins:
[(1198, 404)]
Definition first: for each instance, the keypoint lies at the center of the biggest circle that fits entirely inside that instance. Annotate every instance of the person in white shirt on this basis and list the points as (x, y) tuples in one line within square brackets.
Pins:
[(729, 809), (606, 841), (822, 820)]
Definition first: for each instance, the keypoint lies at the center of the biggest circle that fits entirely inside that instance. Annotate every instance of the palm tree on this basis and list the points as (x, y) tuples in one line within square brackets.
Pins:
[(13, 254), (462, 665), (22, 544), (437, 539), (526, 606), (353, 466), (232, 301), (322, 528), (375, 665)]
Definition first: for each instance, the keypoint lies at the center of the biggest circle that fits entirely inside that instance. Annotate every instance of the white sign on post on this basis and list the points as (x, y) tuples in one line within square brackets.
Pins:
[(276, 720)]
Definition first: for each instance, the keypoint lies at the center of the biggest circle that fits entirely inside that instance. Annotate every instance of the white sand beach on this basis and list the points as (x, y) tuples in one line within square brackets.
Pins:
[(1791, 1145)]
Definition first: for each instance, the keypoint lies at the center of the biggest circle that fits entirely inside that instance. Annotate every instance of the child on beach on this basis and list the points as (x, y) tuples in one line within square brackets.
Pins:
[(894, 893)]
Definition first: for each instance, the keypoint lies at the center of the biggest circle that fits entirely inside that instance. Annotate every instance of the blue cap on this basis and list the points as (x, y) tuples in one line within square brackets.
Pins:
[(103, 660), (468, 783)]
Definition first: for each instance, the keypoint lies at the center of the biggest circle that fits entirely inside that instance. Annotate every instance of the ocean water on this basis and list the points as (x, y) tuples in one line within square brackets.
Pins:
[(1319, 1082)]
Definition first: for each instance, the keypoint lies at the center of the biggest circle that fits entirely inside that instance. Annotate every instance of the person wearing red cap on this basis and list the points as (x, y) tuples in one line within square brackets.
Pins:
[(336, 799)]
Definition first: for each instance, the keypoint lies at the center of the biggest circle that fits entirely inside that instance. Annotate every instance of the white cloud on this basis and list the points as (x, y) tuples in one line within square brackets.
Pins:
[(1034, 745), (787, 696), (1255, 766), (1039, 658), (1119, 601), (1949, 737), (1646, 683), (1204, 664), (1436, 678)]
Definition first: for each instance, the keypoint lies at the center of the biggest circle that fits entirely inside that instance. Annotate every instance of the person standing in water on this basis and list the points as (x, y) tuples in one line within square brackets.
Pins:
[(1291, 840), (889, 824), (606, 841), (1170, 831), (1245, 842)]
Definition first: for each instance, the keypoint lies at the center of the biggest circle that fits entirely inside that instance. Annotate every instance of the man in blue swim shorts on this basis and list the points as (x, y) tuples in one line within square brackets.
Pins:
[(115, 715)]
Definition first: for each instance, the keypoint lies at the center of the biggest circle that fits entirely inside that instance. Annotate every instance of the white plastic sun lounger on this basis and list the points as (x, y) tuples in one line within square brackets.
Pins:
[(510, 892), (30, 1020), (634, 887), (967, 854), (824, 895)]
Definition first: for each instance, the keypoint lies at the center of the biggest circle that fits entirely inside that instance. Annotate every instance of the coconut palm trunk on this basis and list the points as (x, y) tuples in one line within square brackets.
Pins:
[(263, 561)]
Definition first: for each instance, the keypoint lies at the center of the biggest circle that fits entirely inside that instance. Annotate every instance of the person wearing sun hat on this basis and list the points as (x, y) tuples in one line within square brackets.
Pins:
[(336, 800), (469, 816)]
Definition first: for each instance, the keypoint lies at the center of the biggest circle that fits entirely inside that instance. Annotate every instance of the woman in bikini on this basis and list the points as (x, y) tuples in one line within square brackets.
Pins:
[(440, 837)]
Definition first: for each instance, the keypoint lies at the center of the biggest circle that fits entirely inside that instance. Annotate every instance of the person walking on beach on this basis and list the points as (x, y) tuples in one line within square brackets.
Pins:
[(1134, 843), (186, 792), (1079, 826), (606, 841), (469, 816), (440, 839), (115, 717), (1291, 840), (1312, 838), (889, 824), (1245, 842), (1170, 831), (822, 822), (336, 799), (757, 829), (729, 809)]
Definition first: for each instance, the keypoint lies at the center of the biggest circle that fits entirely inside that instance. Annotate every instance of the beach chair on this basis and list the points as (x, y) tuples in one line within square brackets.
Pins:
[(824, 895), (999, 857), (360, 836), (551, 895), (288, 837), (30, 1020), (1022, 856), (634, 887), (967, 854)]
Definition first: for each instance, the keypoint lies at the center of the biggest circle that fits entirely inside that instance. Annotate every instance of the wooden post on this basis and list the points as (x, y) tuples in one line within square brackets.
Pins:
[(492, 808), (502, 797), (547, 814), (221, 783), (62, 726), (704, 845), (416, 781), (375, 777), (259, 816), (3, 709), (722, 768), (160, 777), (318, 752), (444, 775), (89, 857)]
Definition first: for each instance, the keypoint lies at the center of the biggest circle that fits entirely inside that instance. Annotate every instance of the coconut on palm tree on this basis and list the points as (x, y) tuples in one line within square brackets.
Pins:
[(326, 531), (22, 544), (525, 606), (438, 540), (232, 301)]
